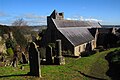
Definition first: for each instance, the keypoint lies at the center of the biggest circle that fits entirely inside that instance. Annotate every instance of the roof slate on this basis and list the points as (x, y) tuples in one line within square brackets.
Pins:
[(76, 23), (76, 35)]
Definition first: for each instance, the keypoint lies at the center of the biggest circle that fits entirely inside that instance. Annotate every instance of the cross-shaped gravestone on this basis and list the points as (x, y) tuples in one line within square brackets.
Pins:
[(34, 58), (59, 59)]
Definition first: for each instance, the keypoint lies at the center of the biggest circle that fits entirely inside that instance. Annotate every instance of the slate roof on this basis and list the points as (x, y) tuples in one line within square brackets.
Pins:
[(75, 23), (76, 35)]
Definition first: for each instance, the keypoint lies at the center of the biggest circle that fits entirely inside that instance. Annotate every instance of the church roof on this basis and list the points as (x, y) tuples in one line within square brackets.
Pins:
[(76, 35), (76, 23)]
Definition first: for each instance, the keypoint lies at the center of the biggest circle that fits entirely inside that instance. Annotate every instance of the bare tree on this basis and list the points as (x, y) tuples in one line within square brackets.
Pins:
[(19, 22)]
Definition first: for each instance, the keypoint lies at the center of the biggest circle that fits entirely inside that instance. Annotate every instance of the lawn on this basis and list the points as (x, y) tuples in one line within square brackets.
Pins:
[(85, 68)]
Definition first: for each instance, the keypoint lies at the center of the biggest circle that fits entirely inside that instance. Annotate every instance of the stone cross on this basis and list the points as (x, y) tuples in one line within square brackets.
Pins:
[(34, 58), (59, 59)]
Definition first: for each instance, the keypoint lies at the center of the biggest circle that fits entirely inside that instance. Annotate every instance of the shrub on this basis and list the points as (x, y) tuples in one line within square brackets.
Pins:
[(20, 39)]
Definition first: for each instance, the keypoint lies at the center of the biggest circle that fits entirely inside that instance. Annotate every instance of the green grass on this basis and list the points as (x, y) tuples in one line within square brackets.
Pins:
[(93, 66)]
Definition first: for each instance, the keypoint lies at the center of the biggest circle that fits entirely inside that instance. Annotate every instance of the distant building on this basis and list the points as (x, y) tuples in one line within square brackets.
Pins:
[(74, 34)]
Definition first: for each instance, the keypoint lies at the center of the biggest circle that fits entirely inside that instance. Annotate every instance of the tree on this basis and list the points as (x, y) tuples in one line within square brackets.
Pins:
[(11, 43), (20, 38), (19, 22)]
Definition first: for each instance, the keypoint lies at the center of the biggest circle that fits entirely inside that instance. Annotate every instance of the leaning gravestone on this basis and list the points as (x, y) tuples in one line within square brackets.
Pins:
[(34, 58), (59, 59), (49, 55)]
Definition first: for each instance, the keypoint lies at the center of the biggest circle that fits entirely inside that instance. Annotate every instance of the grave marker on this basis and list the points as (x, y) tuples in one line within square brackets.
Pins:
[(49, 55), (59, 59), (34, 58)]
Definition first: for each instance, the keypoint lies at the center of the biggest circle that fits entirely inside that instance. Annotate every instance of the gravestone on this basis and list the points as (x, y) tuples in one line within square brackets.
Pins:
[(15, 60), (34, 58), (24, 60), (59, 59), (14, 64), (49, 55), (2, 59)]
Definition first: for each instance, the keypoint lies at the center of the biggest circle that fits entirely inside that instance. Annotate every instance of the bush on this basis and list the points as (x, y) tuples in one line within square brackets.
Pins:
[(20, 39)]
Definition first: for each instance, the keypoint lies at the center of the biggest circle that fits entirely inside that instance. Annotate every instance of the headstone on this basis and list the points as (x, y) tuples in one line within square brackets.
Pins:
[(42, 52), (2, 59), (14, 64), (24, 60), (59, 59), (15, 60), (49, 55), (34, 58)]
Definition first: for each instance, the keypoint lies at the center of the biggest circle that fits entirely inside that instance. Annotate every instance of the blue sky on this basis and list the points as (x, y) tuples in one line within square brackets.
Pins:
[(35, 11)]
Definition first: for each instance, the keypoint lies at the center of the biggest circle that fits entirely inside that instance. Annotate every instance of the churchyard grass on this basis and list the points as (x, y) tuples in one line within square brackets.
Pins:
[(85, 68)]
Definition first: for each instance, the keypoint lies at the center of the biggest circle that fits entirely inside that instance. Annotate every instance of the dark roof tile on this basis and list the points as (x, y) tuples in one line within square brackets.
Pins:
[(75, 23), (76, 35)]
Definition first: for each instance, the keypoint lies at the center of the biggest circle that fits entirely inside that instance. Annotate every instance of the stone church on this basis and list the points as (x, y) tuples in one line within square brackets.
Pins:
[(74, 34)]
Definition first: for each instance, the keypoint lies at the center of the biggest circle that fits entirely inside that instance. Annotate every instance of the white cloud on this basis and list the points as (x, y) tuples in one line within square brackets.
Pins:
[(37, 22), (5, 22), (33, 16), (81, 18), (33, 19), (3, 14), (92, 19), (72, 19)]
